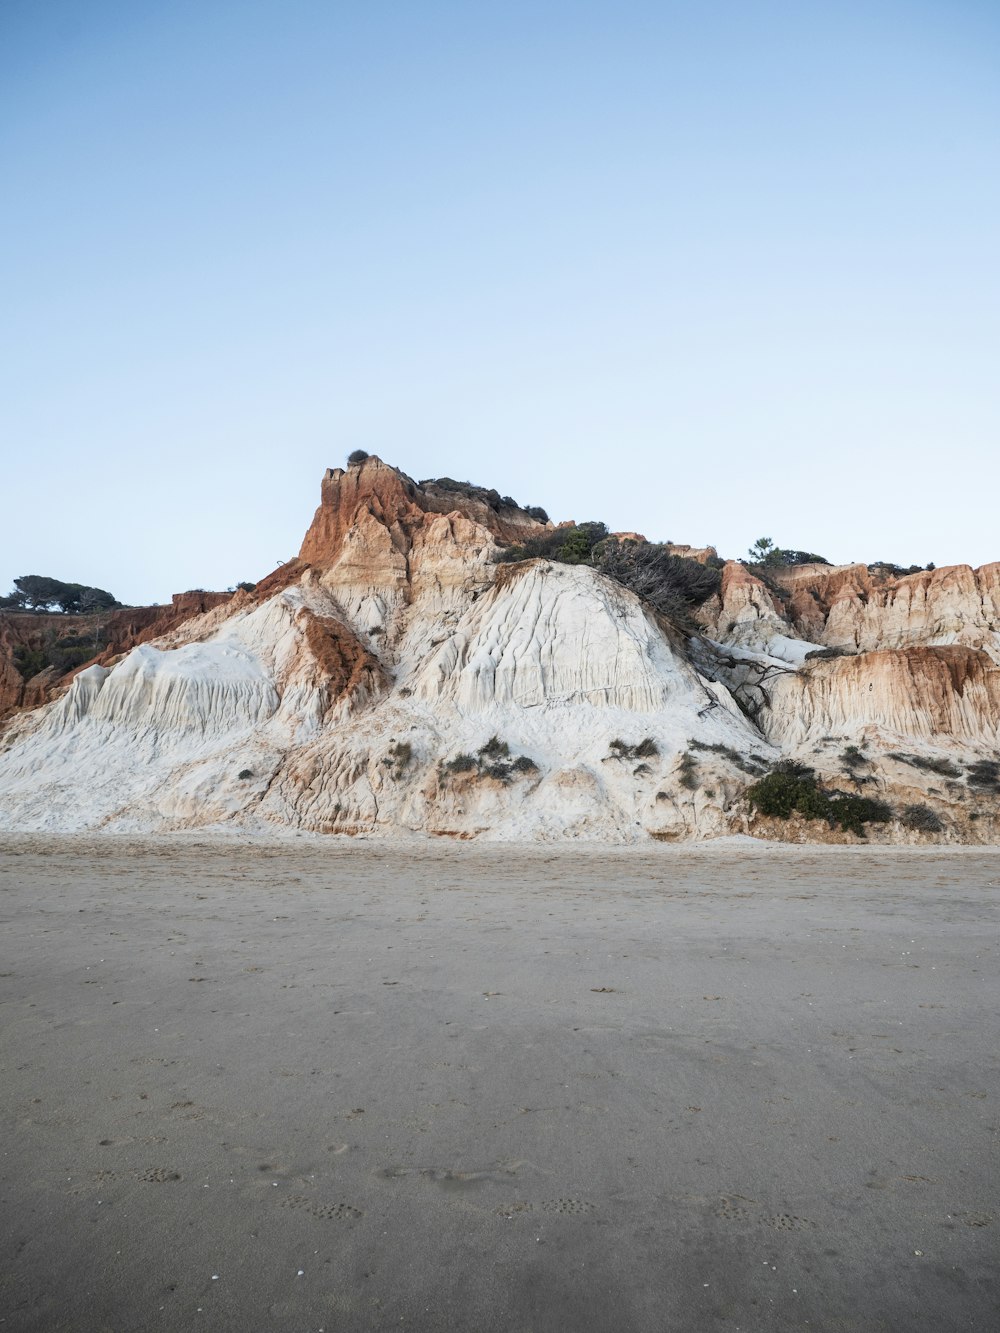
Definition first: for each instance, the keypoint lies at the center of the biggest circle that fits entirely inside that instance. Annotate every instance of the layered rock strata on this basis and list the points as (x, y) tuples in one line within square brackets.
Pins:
[(395, 679)]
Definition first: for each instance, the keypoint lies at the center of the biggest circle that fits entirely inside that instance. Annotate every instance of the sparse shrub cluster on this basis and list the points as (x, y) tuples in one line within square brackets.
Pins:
[(569, 546), (64, 652), (672, 584), (492, 760), (852, 759), (921, 818), (645, 749), (945, 768), (747, 763), (398, 758), (245, 774), (985, 774), (792, 787), (462, 763), (485, 495), (687, 771), (887, 569)]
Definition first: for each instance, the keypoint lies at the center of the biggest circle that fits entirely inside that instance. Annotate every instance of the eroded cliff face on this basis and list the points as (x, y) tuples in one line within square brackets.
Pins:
[(110, 633), (905, 646), (860, 610), (949, 694), (395, 679), (849, 606)]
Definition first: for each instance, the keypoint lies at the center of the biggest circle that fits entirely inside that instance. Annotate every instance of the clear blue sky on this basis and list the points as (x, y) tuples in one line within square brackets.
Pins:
[(706, 270)]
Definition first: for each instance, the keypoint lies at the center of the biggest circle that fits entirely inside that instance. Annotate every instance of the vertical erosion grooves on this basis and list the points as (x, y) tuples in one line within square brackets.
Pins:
[(947, 693)]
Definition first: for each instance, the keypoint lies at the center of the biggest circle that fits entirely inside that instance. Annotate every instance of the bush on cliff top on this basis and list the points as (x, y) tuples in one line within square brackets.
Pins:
[(485, 495), (673, 585)]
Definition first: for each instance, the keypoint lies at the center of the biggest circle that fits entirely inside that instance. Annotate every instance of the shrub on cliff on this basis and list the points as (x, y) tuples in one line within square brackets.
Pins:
[(792, 788), (945, 768), (492, 760), (355, 457), (645, 749), (672, 584), (485, 495), (921, 818), (568, 546), (984, 773), (64, 652)]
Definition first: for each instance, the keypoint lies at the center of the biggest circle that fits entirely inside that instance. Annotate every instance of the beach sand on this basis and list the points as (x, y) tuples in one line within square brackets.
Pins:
[(318, 1085)]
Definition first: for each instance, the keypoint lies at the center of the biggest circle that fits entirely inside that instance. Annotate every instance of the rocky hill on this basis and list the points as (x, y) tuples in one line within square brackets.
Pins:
[(402, 677)]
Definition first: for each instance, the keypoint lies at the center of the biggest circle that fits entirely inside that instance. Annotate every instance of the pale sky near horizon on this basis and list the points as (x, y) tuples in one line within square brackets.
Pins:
[(709, 271)]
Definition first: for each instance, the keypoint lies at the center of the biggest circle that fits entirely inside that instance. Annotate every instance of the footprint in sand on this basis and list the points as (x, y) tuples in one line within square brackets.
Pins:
[(156, 1175), (565, 1206), (336, 1212), (738, 1208)]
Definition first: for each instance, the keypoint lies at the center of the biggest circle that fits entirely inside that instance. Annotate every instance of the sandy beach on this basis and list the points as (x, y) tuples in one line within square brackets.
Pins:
[(330, 1086)]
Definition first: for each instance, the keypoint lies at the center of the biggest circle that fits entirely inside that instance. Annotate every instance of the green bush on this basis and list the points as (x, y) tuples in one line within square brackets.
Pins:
[(65, 654), (568, 546), (792, 787)]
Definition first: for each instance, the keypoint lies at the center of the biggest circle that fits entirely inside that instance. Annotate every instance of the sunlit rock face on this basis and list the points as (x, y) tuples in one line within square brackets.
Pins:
[(396, 680)]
